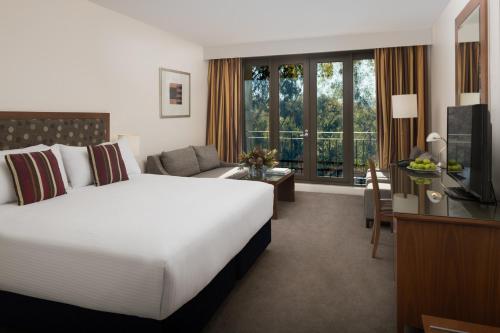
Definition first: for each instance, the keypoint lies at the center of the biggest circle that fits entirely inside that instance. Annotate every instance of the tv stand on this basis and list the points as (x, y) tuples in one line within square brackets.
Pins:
[(459, 193)]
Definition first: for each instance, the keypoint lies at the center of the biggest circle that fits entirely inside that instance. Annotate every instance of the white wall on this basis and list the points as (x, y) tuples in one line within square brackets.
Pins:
[(443, 73), (322, 44), (73, 55)]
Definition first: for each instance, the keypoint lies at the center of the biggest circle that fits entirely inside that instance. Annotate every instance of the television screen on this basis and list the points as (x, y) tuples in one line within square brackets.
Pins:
[(459, 144), (469, 149)]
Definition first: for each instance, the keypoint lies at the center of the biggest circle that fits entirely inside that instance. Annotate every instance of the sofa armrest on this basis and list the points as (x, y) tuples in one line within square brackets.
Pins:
[(228, 164), (154, 166)]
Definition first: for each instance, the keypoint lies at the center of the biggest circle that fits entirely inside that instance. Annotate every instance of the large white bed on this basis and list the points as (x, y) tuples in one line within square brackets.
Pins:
[(142, 247)]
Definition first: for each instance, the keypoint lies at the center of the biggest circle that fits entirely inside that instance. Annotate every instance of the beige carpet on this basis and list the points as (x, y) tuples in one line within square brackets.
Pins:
[(317, 274)]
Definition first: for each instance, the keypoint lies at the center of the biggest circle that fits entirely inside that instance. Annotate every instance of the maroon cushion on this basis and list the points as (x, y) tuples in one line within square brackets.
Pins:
[(36, 176), (107, 164)]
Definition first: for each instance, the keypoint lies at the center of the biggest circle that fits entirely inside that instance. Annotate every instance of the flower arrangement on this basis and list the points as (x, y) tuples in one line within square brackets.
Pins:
[(258, 158)]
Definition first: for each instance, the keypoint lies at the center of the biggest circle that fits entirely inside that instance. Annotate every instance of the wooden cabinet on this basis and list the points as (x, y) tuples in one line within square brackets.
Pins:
[(447, 267)]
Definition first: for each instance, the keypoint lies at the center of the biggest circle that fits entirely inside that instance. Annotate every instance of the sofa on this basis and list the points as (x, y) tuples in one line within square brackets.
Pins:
[(193, 161)]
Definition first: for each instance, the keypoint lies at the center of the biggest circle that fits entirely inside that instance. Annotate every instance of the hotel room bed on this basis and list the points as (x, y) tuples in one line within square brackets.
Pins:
[(142, 247), (152, 252)]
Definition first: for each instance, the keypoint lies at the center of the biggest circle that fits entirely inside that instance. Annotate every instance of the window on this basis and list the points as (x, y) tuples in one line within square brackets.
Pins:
[(319, 111), (256, 106), (291, 116), (364, 116)]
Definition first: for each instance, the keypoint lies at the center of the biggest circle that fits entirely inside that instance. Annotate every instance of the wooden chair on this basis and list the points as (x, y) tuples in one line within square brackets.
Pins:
[(382, 209)]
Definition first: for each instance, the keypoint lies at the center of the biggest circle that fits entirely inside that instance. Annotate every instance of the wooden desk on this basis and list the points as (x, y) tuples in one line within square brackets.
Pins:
[(447, 255), (431, 325)]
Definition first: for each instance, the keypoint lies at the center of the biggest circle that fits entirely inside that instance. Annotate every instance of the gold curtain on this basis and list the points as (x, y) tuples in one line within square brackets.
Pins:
[(400, 70), (468, 62), (224, 103)]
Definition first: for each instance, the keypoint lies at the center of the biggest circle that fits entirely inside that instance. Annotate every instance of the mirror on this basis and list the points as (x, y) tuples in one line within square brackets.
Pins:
[(471, 53)]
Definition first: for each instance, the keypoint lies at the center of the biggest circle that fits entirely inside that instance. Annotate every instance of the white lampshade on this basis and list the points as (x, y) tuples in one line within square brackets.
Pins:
[(404, 106), (405, 203), (470, 98), (134, 142), (433, 137)]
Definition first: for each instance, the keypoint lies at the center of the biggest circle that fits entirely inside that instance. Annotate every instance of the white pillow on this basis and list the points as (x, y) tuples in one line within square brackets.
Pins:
[(7, 192), (57, 153), (77, 165), (128, 158)]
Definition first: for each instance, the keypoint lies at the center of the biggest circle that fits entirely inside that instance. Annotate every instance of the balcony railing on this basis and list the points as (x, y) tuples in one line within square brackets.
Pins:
[(330, 150)]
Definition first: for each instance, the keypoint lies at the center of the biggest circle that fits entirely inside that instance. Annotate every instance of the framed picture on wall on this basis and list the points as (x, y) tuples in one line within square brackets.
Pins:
[(175, 94)]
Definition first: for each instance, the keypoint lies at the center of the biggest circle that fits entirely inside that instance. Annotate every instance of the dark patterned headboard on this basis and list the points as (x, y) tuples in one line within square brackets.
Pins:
[(23, 129)]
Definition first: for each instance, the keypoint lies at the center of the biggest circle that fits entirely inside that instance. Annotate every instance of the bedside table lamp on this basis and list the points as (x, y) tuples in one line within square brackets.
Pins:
[(434, 137)]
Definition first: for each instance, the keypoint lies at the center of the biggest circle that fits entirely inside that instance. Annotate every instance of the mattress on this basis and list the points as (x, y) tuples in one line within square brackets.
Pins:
[(143, 247)]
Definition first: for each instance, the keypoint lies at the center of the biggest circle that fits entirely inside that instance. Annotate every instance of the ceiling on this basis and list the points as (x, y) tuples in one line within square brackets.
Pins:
[(226, 22)]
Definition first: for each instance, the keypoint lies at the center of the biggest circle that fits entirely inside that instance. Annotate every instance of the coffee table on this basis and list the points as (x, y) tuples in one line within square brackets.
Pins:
[(284, 188)]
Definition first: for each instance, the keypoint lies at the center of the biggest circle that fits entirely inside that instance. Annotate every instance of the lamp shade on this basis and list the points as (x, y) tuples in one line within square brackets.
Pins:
[(470, 98), (405, 203), (404, 106), (134, 142)]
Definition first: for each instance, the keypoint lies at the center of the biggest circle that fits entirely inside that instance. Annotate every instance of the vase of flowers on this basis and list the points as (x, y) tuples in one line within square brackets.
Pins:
[(258, 160)]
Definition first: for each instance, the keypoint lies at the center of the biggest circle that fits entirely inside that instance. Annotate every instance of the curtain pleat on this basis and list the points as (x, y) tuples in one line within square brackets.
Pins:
[(468, 62), (223, 111), (400, 70)]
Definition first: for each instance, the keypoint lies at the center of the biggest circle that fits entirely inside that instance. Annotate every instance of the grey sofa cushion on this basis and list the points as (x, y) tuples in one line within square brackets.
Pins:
[(180, 162), (207, 156)]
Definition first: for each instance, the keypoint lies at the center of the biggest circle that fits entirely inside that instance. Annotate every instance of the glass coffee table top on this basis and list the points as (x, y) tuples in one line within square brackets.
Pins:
[(268, 178)]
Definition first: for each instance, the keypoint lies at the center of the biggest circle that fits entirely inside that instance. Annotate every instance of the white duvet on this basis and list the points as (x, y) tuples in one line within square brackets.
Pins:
[(143, 247)]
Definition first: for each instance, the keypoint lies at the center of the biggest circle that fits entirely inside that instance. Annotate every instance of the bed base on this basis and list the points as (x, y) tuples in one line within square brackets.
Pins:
[(30, 314)]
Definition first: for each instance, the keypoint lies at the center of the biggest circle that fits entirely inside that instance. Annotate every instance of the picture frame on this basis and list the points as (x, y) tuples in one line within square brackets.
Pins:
[(175, 93)]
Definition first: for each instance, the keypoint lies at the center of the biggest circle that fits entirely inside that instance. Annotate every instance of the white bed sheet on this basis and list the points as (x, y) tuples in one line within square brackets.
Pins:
[(143, 247)]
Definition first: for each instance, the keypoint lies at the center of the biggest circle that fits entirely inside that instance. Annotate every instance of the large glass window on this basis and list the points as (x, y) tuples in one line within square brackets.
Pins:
[(364, 116), (256, 106), (318, 111), (291, 116), (329, 119)]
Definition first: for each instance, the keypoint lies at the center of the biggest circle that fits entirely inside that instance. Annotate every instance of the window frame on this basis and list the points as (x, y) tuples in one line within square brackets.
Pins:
[(310, 59)]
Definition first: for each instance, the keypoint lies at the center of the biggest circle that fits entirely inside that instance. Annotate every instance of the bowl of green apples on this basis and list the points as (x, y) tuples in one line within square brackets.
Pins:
[(421, 180), (454, 166), (422, 165)]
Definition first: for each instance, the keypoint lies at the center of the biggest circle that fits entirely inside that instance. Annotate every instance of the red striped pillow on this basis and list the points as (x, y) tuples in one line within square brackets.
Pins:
[(36, 176), (107, 164)]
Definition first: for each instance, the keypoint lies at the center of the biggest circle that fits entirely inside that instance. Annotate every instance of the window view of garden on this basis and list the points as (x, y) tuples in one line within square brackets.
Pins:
[(365, 115), (256, 106), (291, 116), (329, 115)]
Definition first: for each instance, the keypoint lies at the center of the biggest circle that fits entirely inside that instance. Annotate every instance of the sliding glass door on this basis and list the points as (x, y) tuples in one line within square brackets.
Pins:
[(291, 121), (317, 111), (331, 137)]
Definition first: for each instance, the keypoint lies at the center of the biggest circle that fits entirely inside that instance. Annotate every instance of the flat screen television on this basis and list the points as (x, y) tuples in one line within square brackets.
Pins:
[(469, 150)]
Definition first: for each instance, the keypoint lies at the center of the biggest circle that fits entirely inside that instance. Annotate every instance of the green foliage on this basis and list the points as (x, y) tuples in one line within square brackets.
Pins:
[(329, 112)]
